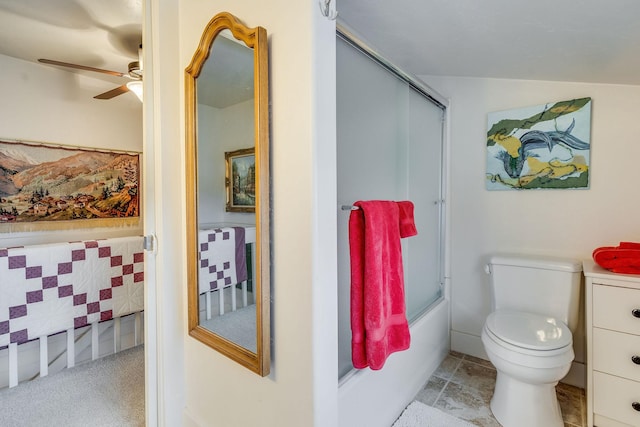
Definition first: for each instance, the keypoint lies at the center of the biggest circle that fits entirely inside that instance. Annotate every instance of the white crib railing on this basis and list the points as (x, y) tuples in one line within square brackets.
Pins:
[(71, 292), (52, 354), (220, 293), (207, 296)]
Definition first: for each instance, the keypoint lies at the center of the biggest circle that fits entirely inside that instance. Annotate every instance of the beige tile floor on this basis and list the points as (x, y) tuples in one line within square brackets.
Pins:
[(463, 385)]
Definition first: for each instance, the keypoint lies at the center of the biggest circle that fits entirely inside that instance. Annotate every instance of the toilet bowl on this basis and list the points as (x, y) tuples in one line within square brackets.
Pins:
[(531, 353), (527, 336)]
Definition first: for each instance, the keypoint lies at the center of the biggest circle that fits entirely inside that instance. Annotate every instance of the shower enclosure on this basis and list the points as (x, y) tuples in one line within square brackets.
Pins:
[(390, 133)]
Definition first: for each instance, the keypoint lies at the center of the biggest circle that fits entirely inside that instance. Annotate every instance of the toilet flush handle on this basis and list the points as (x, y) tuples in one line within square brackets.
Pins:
[(487, 268)]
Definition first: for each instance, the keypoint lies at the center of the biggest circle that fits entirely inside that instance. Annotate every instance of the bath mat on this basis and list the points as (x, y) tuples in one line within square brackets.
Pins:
[(420, 415)]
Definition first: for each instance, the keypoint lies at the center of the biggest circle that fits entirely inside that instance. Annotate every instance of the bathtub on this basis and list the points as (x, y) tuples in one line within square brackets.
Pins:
[(369, 398)]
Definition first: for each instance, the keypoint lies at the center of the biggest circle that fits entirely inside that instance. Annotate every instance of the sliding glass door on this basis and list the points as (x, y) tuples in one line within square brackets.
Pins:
[(390, 142)]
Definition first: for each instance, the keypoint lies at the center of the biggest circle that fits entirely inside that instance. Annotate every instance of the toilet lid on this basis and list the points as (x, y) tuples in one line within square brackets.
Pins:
[(528, 330)]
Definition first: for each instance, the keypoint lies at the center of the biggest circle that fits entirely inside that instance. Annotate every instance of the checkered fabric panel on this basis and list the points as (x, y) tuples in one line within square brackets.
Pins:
[(218, 257), (217, 250), (45, 289)]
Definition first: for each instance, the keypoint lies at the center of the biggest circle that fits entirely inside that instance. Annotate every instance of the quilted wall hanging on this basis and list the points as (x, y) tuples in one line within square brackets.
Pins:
[(40, 183)]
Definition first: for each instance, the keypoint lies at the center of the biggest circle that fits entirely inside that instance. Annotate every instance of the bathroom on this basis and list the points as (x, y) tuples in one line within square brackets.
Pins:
[(303, 386), (559, 223), (563, 223)]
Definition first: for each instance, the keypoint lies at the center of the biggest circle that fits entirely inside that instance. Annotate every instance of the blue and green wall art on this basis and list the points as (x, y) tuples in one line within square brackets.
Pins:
[(540, 147)]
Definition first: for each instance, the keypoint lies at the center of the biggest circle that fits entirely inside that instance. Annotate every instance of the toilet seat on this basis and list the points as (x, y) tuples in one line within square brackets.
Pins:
[(528, 333), (531, 354)]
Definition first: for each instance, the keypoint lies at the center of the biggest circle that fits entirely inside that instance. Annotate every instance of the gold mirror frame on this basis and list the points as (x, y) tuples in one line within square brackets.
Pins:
[(256, 39)]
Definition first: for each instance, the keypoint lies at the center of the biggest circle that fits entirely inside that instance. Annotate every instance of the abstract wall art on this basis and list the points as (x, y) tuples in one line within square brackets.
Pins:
[(540, 147)]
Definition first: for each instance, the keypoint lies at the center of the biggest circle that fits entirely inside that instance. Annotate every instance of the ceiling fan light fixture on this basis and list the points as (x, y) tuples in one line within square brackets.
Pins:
[(136, 87)]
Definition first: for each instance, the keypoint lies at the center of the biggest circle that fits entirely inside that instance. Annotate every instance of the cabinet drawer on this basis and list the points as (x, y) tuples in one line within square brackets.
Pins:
[(612, 307), (612, 353), (613, 397)]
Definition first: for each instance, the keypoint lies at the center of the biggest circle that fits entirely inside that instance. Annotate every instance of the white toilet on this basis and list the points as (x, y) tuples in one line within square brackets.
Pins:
[(528, 338)]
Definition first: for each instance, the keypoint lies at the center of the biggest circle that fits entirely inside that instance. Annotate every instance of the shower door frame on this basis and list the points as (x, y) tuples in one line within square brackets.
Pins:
[(350, 37)]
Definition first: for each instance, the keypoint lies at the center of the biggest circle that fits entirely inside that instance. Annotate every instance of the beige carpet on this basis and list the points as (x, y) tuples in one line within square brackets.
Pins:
[(238, 326), (108, 392)]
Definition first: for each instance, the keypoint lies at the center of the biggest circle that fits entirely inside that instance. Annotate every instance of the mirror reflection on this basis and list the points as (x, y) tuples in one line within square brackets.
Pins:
[(228, 192)]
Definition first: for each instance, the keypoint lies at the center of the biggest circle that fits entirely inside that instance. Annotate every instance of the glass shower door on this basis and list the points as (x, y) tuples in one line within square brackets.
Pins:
[(389, 148)]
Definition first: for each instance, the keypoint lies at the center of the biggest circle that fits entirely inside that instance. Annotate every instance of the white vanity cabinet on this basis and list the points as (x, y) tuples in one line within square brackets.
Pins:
[(613, 347)]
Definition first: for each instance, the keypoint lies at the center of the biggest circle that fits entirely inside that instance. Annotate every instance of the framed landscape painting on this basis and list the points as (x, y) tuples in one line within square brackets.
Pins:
[(40, 183), (540, 147), (240, 180)]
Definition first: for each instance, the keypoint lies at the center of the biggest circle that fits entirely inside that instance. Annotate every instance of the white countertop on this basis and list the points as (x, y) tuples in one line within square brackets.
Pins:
[(591, 269)]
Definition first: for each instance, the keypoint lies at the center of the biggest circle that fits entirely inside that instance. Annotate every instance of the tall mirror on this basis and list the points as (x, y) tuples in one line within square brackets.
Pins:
[(227, 154)]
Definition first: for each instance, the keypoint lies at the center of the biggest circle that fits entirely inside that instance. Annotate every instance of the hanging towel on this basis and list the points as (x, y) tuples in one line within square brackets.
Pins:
[(379, 324), (222, 257), (624, 258), (407, 225)]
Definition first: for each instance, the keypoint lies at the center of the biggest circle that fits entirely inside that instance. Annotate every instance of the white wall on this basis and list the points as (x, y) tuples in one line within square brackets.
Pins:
[(301, 389), (568, 223), (46, 104), (220, 130), (165, 298)]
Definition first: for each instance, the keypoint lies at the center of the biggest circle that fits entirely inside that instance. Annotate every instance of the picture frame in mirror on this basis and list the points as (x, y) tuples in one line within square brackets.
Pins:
[(240, 180)]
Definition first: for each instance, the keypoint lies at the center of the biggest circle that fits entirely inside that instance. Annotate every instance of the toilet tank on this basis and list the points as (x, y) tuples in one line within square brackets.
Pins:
[(536, 284)]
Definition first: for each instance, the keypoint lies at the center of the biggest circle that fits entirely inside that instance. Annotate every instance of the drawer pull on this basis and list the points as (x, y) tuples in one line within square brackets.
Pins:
[(635, 359), (636, 406), (636, 312)]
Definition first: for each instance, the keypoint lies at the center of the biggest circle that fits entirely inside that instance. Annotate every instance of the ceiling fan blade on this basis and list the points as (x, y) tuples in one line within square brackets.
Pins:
[(81, 67), (113, 92)]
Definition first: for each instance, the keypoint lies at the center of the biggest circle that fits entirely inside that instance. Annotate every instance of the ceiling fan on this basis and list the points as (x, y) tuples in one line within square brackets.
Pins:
[(134, 74)]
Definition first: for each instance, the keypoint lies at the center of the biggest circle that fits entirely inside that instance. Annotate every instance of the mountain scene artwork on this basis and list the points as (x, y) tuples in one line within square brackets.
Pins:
[(540, 147), (44, 183)]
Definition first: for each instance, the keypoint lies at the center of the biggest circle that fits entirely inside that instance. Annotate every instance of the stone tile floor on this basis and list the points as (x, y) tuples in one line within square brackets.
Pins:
[(463, 385)]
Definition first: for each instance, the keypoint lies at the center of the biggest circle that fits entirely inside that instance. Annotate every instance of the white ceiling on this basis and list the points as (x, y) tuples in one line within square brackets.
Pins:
[(229, 79), (565, 40), (98, 33)]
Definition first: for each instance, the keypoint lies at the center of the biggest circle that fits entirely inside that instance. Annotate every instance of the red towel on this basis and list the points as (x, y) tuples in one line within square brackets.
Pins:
[(624, 258), (407, 225), (379, 324)]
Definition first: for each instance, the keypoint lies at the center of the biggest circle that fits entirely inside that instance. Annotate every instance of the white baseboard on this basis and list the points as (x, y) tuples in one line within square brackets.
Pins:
[(577, 375), (187, 420), (472, 345), (468, 344)]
